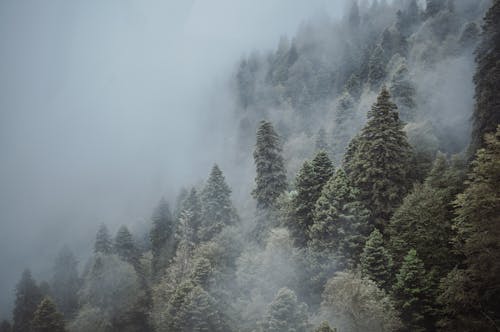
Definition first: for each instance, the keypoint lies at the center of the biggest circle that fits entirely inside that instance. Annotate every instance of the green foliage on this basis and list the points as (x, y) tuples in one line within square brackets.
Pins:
[(412, 293), (47, 318), (218, 211), (125, 247), (66, 282), (162, 237), (340, 221), (103, 243), (358, 305), (377, 68), (28, 296), (285, 314), (375, 261), (378, 160), (486, 114), (271, 173), (325, 327)]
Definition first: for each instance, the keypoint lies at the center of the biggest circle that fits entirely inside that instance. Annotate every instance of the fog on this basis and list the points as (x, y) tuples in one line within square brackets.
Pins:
[(105, 106)]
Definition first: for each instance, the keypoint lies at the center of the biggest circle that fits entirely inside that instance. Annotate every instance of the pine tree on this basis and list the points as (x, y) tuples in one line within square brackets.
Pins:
[(340, 221), (376, 263), (486, 114), (65, 282), (344, 123), (380, 164), (28, 297), (47, 318), (433, 7), (325, 327), (321, 140), (125, 247), (103, 241), (403, 92), (411, 291), (218, 210), (192, 206), (162, 236), (285, 314), (309, 183), (5, 326), (478, 237), (377, 68), (271, 174)]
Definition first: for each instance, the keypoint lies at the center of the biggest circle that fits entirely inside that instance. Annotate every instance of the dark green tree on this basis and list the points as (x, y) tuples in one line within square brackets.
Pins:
[(28, 296), (65, 282), (412, 294), (486, 114), (403, 91), (285, 313), (125, 247), (325, 327), (376, 263), (379, 159), (103, 241), (218, 210), (344, 123), (47, 318), (340, 221), (162, 236), (271, 173)]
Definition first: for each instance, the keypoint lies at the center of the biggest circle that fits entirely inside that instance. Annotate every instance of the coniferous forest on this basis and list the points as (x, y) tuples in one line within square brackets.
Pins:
[(367, 199)]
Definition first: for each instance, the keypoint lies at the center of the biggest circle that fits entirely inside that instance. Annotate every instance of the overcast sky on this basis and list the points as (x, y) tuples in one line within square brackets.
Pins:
[(103, 109)]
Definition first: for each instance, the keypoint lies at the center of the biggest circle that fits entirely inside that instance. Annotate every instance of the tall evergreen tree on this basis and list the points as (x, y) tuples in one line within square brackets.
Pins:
[(321, 141), (325, 327), (377, 68), (103, 241), (285, 313), (344, 123), (271, 173), (28, 296), (380, 164), (5, 326), (376, 263), (411, 291), (433, 7), (486, 114), (125, 247), (340, 221), (192, 206), (162, 236), (47, 318), (478, 240), (218, 210), (309, 183), (65, 282)]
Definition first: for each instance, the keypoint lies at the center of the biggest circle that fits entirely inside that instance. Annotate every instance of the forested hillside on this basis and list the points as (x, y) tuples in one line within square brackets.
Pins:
[(372, 204)]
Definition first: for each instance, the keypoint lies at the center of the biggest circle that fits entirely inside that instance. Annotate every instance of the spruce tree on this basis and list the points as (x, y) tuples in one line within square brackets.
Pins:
[(486, 114), (403, 91), (162, 236), (125, 247), (340, 221), (380, 164), (478, 237), (103, 241), (28, 296), (309, 183), (47, 318), (433, 7), (270, 168), (325, 327), (376, 263), (412, 294), (377, 68), (192, 206), (218, 210), (285, 313), (344, 122), (65, 282)]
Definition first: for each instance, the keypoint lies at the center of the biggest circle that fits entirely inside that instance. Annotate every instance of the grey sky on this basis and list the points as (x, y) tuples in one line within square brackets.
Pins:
[(103, 106)]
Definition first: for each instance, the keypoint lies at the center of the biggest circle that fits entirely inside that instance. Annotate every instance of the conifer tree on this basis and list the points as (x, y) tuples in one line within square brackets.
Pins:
[(103, 241), (376, 263), (486, 114), (47, 318), (344, 122), (65, 282), (218, 210), (5, 326), (354, 17), (28, 296), (403, 92), (271, 174), (321, 140), (285, 313), (411, 291), (162, 236), (378, 162), (125, 247), (309, 183), (192, 206), (433, 7), (340, 221), (325, 327), (377, 68)]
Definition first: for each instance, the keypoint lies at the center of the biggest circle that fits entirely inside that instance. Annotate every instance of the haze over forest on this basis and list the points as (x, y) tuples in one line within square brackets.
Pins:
[(249, 165)]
